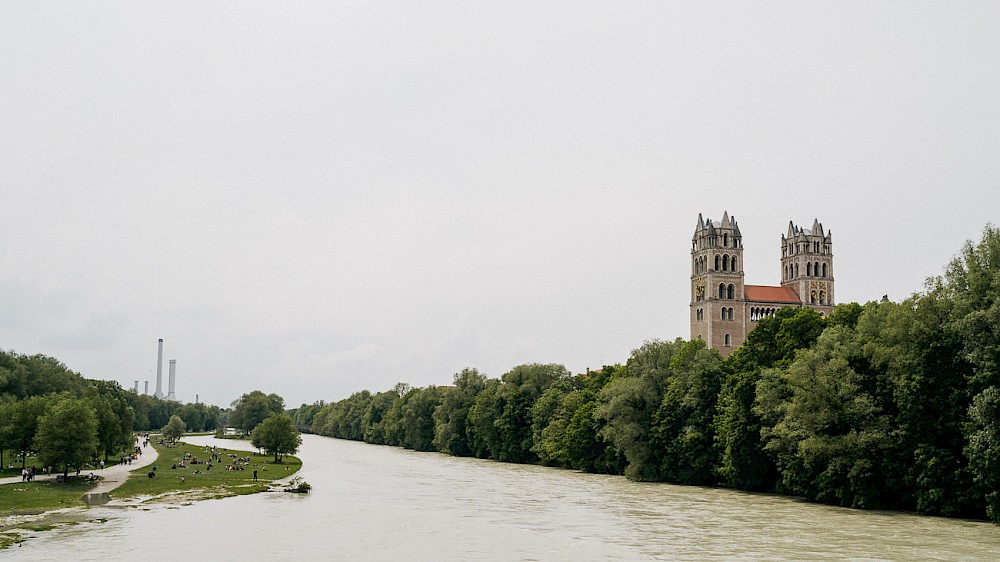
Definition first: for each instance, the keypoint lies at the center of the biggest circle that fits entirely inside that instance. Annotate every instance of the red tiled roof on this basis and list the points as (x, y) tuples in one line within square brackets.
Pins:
[(763, 293)]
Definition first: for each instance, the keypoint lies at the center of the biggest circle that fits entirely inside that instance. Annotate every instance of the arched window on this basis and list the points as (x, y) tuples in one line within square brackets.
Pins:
[(728, 341), (722, 291), (816, 269), (732, 264), (717, 263), (730, 313), (725, 240), (730, 292), (809, 270), (796, 270), (824, 270), (725, 263)]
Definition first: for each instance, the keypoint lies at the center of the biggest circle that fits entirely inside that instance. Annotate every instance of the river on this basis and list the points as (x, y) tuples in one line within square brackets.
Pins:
[(384, 503)]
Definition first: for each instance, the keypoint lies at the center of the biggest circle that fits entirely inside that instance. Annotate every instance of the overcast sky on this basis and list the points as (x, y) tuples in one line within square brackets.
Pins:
[(318, 198)]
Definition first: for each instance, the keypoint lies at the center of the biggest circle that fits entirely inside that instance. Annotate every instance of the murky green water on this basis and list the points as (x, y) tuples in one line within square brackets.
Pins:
[(384, 503)]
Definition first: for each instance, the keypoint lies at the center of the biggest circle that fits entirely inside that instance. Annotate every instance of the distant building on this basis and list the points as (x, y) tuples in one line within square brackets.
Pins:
[(724, 309)]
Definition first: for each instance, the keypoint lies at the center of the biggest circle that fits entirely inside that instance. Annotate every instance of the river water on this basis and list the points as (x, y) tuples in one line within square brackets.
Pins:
[(384, 503)]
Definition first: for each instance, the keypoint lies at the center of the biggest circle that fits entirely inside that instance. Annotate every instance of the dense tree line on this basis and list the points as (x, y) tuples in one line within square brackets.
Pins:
[(48, 410), (152, 413), (882, 405), (68, 420)]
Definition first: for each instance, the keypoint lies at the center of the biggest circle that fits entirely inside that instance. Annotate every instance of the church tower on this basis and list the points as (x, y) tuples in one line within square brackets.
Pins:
[(807, 265), (717, 290)]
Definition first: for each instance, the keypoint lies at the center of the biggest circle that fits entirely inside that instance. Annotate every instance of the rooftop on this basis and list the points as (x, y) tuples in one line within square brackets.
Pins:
[(765, 293)]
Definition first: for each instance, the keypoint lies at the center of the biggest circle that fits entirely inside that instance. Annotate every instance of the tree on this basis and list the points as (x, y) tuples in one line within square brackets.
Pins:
[(682, 425), (828, 433), (983, 448), (276, 435), (114, 416), (175, 428), (521, 387), (6, 412), (451, 417), (627, 406), (22, 423), (481, 429), (418, 418), (773, 342), (253, 408), (67, 434), (378, 407)]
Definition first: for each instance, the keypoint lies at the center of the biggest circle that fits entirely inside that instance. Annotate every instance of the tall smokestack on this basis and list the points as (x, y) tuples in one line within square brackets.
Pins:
[(145, 389), (137, 387), (171, 379), (159, 369)]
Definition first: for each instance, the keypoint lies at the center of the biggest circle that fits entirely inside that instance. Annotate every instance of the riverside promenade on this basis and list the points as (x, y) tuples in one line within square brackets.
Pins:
[(111, 477)]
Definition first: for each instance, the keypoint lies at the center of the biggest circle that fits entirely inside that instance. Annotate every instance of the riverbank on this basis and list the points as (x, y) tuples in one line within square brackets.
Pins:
[(181, 475)]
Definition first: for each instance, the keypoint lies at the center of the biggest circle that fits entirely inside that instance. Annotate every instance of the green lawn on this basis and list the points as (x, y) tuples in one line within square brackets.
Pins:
[(217, 481), (39, 496)]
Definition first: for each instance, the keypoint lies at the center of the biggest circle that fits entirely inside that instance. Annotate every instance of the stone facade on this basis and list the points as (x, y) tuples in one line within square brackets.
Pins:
[(724, 309)]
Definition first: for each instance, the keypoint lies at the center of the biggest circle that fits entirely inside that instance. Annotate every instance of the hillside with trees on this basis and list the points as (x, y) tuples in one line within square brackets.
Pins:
[(879, 406)]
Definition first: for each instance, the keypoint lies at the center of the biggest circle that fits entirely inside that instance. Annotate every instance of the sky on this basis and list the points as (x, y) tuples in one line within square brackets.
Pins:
[(317, 198)]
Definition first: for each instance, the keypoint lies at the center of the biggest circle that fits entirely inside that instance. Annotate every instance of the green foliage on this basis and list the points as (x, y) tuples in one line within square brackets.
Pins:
[(22, 376), (114, 417), (627, 406), (482, 432), (828, 434), (418, 418), (174, 429), (972, 283), (983, 449), (450, 417), (67, 434), (304, 414), (253, 408), (377, 407), (277, 436), (21, 422), (773, 342), (682, 425)]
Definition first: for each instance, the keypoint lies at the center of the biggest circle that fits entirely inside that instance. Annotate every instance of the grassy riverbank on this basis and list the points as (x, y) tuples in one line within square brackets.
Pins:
[(181, 474), (184, 469)]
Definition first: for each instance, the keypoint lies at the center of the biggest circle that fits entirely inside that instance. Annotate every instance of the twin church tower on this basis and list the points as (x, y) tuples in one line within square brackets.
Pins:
[(724, 309)]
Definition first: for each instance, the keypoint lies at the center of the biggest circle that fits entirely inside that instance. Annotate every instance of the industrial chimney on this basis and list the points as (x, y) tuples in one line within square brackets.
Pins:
[(171, 379), (159, 370)]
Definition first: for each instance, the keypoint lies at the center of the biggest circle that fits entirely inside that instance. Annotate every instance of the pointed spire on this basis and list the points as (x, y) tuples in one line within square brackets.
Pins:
[(817, 229), (725, 219)]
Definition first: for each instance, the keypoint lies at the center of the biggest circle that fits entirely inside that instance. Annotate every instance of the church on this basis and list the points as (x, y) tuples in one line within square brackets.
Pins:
[(724, 309)]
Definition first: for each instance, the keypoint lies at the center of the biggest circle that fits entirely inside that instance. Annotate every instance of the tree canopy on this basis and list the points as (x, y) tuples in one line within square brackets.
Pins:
[(276, 435), (67, 434)]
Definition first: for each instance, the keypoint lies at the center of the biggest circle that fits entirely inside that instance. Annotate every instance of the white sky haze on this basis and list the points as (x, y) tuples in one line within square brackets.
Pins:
[(315, 198)]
